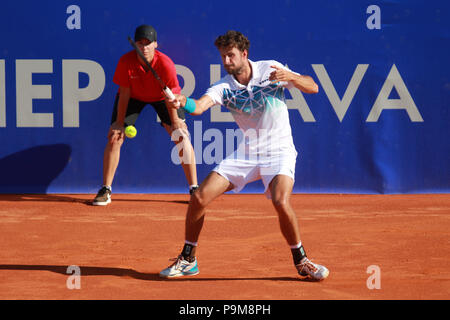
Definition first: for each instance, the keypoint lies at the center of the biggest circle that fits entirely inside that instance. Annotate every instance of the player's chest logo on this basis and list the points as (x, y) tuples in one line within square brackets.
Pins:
[(254, 102)]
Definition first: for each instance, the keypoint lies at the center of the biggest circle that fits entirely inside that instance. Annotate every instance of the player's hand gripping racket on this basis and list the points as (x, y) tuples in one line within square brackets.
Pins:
[(167, 92)]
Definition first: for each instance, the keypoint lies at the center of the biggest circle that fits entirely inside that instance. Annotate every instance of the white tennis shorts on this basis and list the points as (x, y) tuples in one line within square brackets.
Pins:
[(240, 171)]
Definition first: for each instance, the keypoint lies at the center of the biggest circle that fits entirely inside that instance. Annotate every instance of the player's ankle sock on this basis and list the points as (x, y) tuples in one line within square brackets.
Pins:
[(188, 251), (193, 186), (298, 253), (107, 187)]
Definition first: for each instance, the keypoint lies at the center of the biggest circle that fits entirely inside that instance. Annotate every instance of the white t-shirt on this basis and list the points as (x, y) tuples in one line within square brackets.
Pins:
[(259, 109)]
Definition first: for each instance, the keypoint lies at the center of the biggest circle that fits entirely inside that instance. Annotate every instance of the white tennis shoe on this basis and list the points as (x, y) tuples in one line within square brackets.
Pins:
[(180, 268), (103, 197), (307, 268)]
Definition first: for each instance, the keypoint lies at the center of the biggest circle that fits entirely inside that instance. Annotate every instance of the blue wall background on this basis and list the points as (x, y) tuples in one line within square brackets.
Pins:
[(396, 153)]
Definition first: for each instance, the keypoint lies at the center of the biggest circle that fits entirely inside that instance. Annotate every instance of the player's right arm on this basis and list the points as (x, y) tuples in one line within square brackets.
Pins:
[(201, 105)]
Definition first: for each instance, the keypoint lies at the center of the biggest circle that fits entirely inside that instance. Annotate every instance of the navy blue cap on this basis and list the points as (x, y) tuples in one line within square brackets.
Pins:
[(145, 32)]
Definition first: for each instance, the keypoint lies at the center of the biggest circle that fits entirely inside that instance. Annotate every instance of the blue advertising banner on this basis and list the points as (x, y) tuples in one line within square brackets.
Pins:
[(379, 124)]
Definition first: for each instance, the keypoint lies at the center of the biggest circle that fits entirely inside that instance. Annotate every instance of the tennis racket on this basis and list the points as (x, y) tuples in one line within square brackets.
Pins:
[(167, 92)]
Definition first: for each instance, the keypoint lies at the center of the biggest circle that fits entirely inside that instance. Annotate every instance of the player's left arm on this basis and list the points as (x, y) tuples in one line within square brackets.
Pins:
[(304, 83)]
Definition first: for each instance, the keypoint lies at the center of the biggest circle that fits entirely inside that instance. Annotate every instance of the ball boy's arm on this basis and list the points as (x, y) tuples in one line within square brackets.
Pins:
[(122, 105)]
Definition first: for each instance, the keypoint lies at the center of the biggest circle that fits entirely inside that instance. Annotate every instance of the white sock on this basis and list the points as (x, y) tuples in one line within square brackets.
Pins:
[(298, 245), (194, 244)]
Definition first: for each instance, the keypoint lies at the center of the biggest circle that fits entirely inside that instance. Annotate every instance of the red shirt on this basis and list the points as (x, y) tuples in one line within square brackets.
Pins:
[(144, 86)]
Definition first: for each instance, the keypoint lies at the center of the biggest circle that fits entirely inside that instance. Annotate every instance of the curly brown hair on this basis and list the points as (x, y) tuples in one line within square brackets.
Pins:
[(234, 39)]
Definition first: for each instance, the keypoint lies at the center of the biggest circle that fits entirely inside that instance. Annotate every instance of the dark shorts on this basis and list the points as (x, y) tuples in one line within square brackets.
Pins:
[(136, 106)]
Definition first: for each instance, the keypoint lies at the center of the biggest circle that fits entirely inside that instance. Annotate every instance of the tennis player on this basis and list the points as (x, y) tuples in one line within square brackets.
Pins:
[(138, 88), (254, 93)]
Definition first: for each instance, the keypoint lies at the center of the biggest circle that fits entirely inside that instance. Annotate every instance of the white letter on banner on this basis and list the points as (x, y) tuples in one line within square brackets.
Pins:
[(298, 102), (188, 79), (73, 21), (2, 94), (340, 106), (405, 102), (26, 92), (216, 113), (72, 94), (374, 21)]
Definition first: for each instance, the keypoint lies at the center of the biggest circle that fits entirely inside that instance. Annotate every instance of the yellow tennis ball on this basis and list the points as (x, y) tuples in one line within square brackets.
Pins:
[(130, 131)]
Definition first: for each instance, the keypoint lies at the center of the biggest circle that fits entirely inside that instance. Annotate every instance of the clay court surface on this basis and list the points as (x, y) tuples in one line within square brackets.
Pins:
[(121, 248)]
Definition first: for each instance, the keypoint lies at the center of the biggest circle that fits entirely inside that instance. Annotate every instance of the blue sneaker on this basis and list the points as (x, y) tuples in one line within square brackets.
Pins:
[(180, 268)]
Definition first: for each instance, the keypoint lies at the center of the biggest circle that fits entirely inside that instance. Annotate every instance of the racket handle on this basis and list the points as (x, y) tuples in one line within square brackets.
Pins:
[(170, 96), (169, 93)]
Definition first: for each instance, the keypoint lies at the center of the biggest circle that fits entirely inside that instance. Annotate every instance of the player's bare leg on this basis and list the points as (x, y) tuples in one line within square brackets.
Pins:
[(281, 190), (212, 187), (186, 264)]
